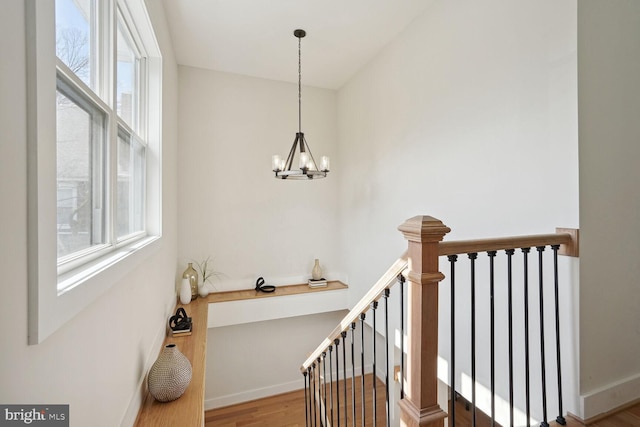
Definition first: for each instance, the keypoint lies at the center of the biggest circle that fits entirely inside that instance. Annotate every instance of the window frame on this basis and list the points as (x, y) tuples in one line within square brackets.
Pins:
[(55, 297), (130, 138), (138, 118), (76, 91)]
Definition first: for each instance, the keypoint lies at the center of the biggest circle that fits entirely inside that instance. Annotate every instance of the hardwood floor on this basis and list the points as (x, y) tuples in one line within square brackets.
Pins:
[(278, 411), (464, 415), (629, 417), (288, 410)]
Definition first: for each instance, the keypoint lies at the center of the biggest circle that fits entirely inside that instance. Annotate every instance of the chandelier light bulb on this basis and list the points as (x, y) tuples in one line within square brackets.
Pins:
[(277, 163), (325, 164), (304, 161)]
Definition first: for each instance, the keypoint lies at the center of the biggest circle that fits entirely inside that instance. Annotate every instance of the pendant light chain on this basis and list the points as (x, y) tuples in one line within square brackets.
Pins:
[(299, 85)]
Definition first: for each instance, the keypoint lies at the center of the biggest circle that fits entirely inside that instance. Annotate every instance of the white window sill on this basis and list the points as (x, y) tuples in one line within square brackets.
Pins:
[(107, 265), (80, 287)]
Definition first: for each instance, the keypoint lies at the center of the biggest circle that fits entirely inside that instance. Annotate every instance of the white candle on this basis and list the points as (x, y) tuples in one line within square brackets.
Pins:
[(304, 160), (325, 163), (277, 164)]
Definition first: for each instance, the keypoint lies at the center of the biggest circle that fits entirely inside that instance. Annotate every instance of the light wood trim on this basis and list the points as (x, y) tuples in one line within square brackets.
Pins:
[(188, 409), (396, 373), (385, 281), (500, 243), (420, 405), (246, 294), (571, 249)]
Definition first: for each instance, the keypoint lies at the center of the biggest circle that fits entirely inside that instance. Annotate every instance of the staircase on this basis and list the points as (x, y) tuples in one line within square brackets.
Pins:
[(502, 360)]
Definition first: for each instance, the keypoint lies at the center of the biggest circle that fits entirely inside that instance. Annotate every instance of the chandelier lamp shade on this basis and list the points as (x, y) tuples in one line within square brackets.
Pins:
[(306, 166)]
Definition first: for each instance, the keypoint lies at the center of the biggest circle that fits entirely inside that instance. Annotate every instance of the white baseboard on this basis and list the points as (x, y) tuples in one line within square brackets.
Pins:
[(259, 393), (610, 397), (245, 396)]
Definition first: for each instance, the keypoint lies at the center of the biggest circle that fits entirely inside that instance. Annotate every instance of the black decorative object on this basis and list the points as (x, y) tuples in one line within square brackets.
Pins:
[(180, 321), (262, 287)]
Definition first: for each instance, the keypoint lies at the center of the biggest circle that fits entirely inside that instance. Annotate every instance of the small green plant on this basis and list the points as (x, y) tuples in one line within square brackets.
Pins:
[(205, 268)]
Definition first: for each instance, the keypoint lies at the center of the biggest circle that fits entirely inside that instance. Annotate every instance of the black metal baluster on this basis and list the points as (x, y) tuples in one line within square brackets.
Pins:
[(510, 253), (353, 374), (315, 403), (401, 279), (336, 342), (452, 370), (386, 346), (362, 317), (310, 397), (331, 383), (525, 254), (542, 353), (306, 408), (307, 399), (492, 255), (374, 308), (560, 418), (344, 376), (324, 385), (472, 259)]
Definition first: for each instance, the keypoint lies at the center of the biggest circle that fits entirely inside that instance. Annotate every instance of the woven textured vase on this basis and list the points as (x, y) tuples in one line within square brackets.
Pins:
[(170, 374)]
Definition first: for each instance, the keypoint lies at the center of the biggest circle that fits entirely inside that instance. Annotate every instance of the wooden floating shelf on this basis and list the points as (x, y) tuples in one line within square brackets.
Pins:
[(188, 410), (286, 290), (248, 306)]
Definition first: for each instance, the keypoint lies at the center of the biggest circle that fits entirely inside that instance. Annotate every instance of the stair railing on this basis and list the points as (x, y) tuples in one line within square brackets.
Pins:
[(313, 368), (419, 397), (563, 242)]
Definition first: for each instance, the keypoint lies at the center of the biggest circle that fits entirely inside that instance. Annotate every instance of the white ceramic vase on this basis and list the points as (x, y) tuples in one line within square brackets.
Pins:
[(185, 291), (316, 272), (203, 290)]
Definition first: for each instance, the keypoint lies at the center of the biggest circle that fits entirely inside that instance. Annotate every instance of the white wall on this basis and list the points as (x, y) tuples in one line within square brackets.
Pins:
[(469, 115), (229, 204), (97, 361), (231, 207), (609, 105), (253, 360)]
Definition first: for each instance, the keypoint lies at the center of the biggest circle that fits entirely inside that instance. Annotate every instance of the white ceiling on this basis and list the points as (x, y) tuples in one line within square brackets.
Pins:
[(255, 37)]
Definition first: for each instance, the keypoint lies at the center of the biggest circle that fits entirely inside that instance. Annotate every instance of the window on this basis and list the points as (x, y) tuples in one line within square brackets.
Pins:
[(128, 76), (93, 151), (80, 135), (131, 188), (76, 37), (94, 220)]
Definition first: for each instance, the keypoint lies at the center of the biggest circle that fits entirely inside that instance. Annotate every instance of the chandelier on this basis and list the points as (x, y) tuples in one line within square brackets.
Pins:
[(306, 167)]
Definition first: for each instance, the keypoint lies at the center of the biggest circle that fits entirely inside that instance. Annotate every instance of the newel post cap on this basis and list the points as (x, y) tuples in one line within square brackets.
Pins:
[(423, 228)]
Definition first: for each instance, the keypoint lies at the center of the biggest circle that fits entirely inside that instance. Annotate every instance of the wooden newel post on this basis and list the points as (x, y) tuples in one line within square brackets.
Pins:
[(420, 405)]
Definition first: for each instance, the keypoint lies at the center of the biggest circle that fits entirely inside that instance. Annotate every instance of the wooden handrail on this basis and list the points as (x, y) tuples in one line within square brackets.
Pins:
[(385, 281), (501, 243), (567, 238)]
